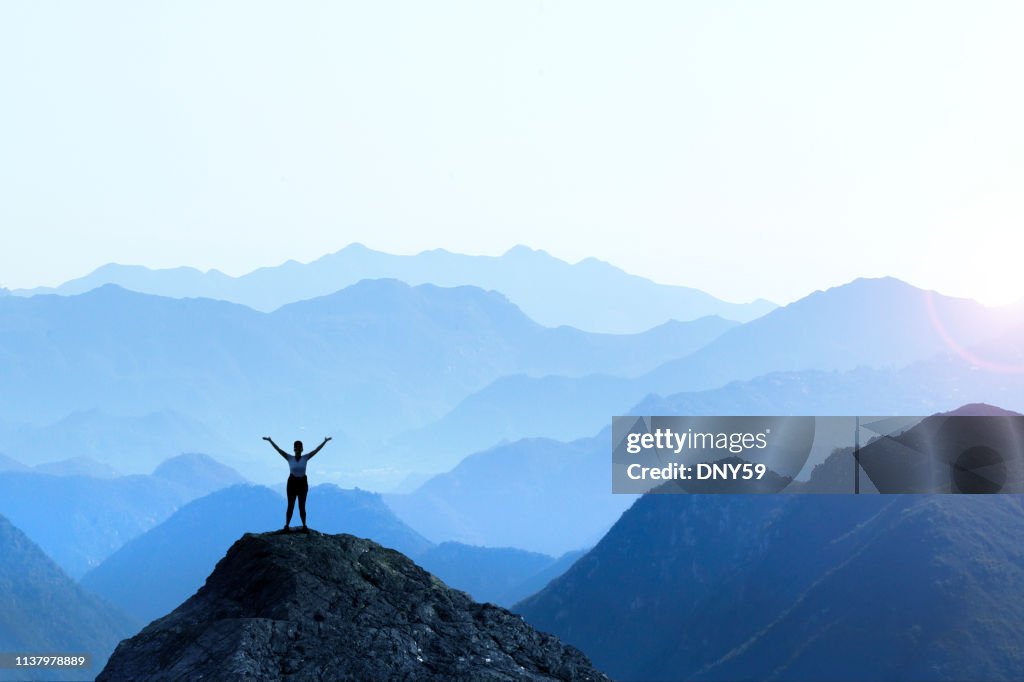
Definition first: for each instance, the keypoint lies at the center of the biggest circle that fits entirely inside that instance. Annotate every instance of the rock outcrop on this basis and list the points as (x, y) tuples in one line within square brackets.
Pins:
[(309, 606)]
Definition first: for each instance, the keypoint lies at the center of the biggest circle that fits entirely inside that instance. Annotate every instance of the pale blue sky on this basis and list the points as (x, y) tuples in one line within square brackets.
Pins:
[(748, 149)]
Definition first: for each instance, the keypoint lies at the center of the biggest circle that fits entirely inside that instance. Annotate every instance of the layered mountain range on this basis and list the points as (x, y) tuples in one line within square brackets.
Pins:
[(365, 363), (45, 612), (801, 587), (590, 295)]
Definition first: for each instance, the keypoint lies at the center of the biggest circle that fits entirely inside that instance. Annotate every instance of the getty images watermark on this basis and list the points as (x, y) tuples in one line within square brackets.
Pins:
[(958, 454)]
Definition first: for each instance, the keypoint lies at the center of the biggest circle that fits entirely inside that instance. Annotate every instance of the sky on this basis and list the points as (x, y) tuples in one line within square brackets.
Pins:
[(746, 149)]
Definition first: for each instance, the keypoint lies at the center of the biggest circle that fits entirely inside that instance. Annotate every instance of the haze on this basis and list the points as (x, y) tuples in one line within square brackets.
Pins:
[(750, 150)]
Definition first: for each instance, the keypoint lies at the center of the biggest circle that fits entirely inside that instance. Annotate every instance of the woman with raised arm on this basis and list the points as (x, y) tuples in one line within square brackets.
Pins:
[(298, 485)]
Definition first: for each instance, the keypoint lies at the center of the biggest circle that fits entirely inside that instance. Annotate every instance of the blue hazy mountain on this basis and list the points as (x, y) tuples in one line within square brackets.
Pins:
[(538, 581), (156, 571), (127, 354), (987, 372), (8, 463), (374, 359), (495, 413), (926, 387), (499, 575), (199, 473), (78, 466), (591, 295), (44, 611), (80, 520), (477, 501), (388, 314), (808, 587), (361, 513), (488, 574), (814, 392), (869, 323), (536, 494), (441, 509), (136, 443)]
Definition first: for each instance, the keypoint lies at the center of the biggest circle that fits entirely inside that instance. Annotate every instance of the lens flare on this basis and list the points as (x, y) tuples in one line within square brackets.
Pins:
[(968, 355)]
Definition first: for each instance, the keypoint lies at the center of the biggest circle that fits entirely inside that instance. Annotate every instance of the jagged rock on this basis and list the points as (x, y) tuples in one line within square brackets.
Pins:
[(311, 606)]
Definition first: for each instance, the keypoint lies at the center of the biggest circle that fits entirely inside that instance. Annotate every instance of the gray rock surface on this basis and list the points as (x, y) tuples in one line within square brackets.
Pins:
[(311, 606)]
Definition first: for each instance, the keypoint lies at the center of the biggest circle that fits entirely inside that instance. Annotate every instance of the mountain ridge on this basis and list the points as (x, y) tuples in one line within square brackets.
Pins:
[(798, 587), (556, 294), (44, 610), (829, 331), (365, 362), (87, 519)]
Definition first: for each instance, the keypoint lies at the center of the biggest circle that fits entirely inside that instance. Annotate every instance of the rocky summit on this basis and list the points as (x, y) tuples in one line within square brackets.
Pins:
[(310, 606)]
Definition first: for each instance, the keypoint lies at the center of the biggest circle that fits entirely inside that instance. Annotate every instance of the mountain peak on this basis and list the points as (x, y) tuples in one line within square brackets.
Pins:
[(198, 471), (354, 249), (297, 605), (521, 250), (109, 288), (860, 285), (980, 410), (888, 285)]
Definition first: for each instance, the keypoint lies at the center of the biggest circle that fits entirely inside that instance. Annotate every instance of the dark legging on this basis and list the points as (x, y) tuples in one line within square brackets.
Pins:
[(298, 486)]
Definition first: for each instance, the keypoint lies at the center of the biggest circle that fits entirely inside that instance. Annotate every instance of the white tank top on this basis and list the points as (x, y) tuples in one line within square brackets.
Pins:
[(298, 468)]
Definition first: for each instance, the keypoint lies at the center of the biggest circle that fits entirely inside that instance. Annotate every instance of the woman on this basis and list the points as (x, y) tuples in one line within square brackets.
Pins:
[(298, 486)]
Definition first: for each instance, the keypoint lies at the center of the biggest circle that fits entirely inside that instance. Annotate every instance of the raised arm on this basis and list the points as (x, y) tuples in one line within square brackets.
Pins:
[(319, 447), (279, 450)]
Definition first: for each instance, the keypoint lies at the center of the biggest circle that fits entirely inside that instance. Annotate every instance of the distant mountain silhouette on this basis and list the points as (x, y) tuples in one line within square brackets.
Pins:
[(10, 464), (868, 322), (512, 408), (488, 574), (377, 358), (160, 568), (300, 606), (537, 494), (362, 513), (442, 509), (800, 587), (108, 439), (864, 326), (45, 611), (149, 575), (78, 466), (919, 389), (807, 392), (930, 386), (542, 578), (80, 520), (591, 295), (200, 473)]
